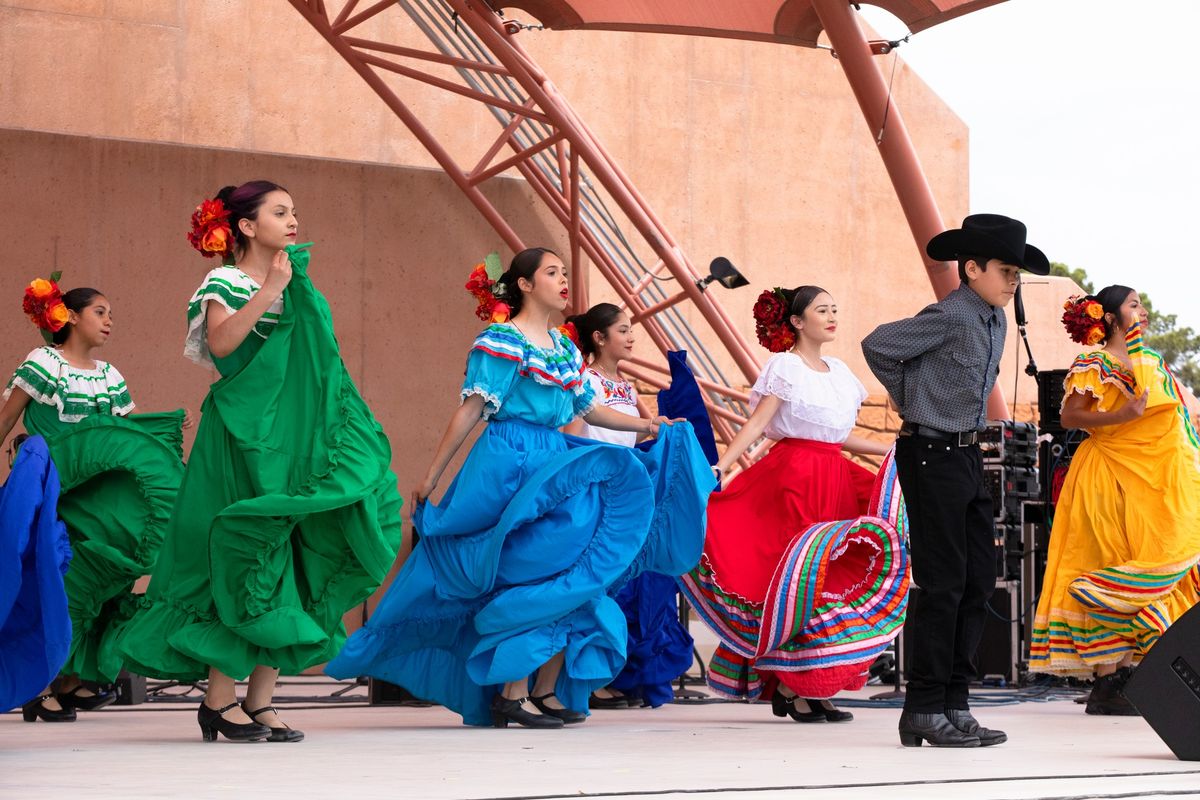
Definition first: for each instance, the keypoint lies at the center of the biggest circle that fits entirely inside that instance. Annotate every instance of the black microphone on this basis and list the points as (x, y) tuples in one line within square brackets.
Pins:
[(1019, 308)]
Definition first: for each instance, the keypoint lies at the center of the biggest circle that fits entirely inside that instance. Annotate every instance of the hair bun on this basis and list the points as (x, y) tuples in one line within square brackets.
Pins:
[(224, 194)]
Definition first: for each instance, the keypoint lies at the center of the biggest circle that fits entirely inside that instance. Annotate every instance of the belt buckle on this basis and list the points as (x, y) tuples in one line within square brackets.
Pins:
[(966, 438)]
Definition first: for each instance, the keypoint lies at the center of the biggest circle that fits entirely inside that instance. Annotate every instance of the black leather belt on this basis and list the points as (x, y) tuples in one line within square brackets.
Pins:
[(961, 439)]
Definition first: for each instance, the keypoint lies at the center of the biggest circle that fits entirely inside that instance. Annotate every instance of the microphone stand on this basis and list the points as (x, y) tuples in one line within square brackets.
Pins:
[(1019, 312)]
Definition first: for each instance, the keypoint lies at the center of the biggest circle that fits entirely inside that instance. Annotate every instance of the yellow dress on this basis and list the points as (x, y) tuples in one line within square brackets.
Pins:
[(1125, 544)]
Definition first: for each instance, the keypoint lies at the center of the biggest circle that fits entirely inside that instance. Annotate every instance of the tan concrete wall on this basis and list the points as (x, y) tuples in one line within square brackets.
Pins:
[(753, 151)]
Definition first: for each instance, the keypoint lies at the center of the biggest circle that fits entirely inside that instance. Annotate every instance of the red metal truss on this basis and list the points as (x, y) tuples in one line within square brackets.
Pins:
[(542, 137), (574, 152)]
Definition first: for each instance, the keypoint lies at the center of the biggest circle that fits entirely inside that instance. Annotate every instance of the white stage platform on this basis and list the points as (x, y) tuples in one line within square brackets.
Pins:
[(718, 751)]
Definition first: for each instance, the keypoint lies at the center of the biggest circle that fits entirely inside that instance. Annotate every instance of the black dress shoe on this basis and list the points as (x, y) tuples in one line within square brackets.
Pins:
[(34, 710), (73, 699), (212, 723), (961, 718), (284, 734), (568, 716), (934, 729), (505, 711), (1106, 698)]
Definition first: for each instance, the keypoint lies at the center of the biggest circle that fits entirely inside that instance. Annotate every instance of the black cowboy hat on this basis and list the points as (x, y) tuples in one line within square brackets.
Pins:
[(989, 236)]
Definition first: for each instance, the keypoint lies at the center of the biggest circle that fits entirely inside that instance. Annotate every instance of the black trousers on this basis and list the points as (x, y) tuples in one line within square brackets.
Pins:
[(952, 536)]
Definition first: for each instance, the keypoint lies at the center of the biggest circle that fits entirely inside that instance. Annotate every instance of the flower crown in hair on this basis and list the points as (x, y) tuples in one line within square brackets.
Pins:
[(211, 233), (44, 305), (482, 286), (770, 321), (1083, 317)]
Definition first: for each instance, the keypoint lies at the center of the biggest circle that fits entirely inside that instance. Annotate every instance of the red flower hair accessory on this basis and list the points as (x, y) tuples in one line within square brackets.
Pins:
[(211, 234), (482, 286), (770, 321), (569, 330), (44, 306), (1083, 317)]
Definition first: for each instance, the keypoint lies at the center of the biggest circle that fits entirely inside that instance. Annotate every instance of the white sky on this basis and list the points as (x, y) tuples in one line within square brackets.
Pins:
[(1084, 121)]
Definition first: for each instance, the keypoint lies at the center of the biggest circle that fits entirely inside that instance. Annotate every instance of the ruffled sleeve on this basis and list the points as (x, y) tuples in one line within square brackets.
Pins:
[(48, 379), (1097, 375), (232, 288), (492, 367), (585, 398), (781, 378), (849, 378)]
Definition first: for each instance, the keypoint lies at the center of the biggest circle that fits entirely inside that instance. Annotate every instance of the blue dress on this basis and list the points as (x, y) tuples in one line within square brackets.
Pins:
[(35, 627), (535, 536)]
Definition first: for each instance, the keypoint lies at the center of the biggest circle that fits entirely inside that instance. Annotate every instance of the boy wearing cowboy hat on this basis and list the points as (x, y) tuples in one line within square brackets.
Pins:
[(939, 368)]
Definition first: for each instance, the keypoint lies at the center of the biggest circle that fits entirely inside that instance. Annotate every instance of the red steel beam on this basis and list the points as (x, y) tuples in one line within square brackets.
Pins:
[(895, 148)]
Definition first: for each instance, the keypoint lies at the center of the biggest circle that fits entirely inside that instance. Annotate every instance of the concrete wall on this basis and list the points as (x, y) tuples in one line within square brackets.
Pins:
[(118, 116)]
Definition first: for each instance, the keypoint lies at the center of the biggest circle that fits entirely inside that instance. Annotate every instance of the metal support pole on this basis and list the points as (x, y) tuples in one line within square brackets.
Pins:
[(895, 148)]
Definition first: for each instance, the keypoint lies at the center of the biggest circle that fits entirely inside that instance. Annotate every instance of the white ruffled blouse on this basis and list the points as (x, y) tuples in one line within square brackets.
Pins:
[(821, 406)]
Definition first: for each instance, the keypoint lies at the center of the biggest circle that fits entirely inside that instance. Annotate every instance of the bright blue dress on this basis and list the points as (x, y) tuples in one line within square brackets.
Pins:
[(35, 626), (538, 531)]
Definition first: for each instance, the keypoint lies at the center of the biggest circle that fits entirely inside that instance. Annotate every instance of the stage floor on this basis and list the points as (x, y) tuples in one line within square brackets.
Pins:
[(724, 751)]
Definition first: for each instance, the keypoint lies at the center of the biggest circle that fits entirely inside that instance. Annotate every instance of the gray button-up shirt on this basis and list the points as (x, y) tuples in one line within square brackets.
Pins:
[(940, 366)]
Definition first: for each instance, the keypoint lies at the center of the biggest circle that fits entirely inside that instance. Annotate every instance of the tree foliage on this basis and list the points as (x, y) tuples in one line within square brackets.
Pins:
[(1179, 345)]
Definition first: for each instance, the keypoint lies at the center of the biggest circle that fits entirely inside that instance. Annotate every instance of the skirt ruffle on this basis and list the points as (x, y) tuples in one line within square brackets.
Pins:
[(35, 624), (837, 591), (119, 479), (521, 560)]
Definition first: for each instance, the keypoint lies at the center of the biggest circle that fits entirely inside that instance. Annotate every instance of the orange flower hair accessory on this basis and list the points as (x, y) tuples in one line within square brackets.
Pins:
[(482, 286), (569, 330), (44, 306), (1083, 317), (210, 233), (770, 321)]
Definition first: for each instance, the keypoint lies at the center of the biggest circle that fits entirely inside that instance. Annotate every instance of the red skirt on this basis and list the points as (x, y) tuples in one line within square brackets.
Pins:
[(801, 587)]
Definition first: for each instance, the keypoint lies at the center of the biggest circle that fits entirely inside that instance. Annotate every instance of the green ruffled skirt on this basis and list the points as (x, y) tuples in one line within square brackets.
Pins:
[(119, 478), (287, 517)]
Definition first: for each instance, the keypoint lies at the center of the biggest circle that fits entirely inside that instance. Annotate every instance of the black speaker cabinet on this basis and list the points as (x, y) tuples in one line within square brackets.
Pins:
[(1166, 687)]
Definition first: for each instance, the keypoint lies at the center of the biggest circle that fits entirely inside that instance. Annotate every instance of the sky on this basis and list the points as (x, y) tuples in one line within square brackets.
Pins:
[(1084, 124)]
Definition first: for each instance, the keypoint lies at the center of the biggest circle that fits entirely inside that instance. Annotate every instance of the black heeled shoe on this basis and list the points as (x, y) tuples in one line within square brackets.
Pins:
[(1106, 697), (34, 710), (284, 734), (965, 721), (786, 706), (568, 716), (598, 703), (505, 711), (73, 699), (827, 709), (212, 723), (936, 729)]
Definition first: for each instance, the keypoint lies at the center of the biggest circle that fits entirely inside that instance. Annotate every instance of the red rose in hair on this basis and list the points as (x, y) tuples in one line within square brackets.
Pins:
[(770, 326), (44, 306), (210, 233)]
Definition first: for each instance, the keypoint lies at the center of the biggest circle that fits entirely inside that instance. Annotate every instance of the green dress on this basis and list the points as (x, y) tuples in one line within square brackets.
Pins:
[(288, 515), (119, 474)]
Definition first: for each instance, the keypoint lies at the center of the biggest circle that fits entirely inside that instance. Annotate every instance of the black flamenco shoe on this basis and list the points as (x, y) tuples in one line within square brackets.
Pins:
[(505, 711), (212, 723), (781, 704), (1106, 697), (568, 716), (73, 699), (827, 709), (35, 710), (284, 734), (934, 729), (604, 703)]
